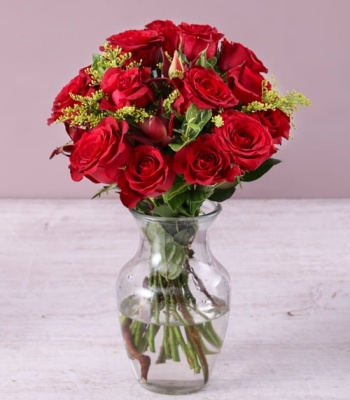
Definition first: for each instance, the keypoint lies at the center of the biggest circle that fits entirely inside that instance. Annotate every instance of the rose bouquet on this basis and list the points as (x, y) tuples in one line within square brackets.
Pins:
[(171, 116)]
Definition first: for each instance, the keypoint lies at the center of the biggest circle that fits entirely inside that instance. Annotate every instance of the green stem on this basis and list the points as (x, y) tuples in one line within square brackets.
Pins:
[(187, 349), (207, 331), (174, 351), (166, 345), (215, 337), (152, 332), (138, 335)]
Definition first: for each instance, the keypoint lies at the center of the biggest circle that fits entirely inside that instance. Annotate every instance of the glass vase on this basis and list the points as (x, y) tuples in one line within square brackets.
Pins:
[(173, 299)]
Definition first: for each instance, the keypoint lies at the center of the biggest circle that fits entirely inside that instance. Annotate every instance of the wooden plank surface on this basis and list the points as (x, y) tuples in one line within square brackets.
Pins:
[(289, 331)]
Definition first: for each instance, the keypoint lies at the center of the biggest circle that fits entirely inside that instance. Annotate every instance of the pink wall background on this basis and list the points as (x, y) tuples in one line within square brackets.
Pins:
[(304, 43)]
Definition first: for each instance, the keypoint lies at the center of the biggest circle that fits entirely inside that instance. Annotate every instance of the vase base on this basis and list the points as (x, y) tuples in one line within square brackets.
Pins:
[(173, 387)]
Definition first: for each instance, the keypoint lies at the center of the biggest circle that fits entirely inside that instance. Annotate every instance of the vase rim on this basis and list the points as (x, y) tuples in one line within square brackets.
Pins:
[(209, 209)]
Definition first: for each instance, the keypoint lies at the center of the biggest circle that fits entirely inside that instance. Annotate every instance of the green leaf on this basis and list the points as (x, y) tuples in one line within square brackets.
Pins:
[(179, 186), (164, 211), (260, 171), (178, 146), (197, 196), (171, 268), (193, 129), (195, 206), (200, 193), (191, 113), (202, 60), (220, 194), (185, 236), (203, 117), (167, 256), (194, 122), (176, 202), (213, 61)]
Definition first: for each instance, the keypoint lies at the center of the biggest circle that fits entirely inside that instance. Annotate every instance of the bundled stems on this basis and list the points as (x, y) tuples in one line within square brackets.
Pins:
[(173, 298)]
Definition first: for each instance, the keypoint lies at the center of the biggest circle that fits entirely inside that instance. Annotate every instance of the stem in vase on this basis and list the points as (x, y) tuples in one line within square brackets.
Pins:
[(144, 360)]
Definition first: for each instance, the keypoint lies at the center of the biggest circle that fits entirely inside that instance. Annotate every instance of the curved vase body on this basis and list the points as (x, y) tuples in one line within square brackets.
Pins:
[(173, 298)]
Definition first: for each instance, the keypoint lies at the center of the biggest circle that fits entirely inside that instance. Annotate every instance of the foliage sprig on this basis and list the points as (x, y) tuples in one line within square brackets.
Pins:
[(85, 112), (111, 57), (272, 100)]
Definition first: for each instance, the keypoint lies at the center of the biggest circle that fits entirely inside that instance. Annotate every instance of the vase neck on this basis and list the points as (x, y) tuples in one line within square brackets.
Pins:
[(170, 243), (209, 211)]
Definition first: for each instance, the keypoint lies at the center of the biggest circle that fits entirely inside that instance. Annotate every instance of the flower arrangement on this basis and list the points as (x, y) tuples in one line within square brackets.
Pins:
[(172, 115), (169, 116)]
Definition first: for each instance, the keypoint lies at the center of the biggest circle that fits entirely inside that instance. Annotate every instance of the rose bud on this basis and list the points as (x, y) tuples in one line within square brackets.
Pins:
[(176, 66)]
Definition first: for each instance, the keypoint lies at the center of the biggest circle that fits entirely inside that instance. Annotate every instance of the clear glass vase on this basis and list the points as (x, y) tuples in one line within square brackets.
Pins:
[(173, 298)]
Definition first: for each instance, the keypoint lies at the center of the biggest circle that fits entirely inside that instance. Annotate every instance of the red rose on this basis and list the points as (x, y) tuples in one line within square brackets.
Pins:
[(148, 174), (79, 85), (99, 154), (245, 84), (247, 142), (126, 88), (233, 55), (196, 38), (204, 162), (169, 31), (144, 45), (204, 88), (276, 121)]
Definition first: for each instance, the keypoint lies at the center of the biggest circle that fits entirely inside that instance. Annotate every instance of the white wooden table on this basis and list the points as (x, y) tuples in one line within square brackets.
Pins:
[(289, 332)]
